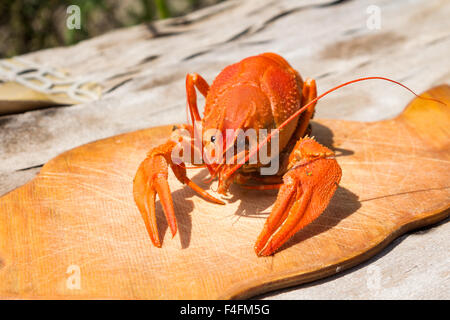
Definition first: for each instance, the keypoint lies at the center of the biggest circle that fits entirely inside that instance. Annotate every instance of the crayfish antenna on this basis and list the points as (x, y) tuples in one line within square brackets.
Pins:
[(305, 107)]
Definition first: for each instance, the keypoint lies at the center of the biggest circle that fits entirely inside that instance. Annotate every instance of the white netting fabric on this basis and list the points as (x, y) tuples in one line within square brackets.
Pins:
[(46, 80)]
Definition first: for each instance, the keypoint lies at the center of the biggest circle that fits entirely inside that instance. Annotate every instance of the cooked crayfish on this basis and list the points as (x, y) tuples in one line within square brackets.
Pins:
[(259, 92)]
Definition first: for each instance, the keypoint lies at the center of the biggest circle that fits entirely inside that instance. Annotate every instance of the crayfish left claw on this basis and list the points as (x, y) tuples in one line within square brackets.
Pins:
[(308, 187)]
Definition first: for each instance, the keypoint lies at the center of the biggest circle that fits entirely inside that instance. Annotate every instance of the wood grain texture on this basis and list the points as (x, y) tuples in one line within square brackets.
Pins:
[(80, 211)]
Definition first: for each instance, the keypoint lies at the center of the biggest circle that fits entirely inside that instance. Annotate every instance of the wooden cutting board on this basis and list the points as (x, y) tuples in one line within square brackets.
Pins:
[(74, 231)]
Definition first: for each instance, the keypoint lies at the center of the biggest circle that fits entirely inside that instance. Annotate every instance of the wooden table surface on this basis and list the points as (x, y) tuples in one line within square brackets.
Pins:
[(142, 70)]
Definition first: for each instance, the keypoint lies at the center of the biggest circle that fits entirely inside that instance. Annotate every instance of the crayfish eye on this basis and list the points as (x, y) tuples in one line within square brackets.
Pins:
[(213, 139)]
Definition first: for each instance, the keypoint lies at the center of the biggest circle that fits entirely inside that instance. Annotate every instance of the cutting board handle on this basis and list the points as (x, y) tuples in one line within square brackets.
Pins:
[(430, 119)]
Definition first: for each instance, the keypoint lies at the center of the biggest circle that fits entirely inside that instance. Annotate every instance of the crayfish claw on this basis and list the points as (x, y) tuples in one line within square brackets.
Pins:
[(308, 188), (151, 179)]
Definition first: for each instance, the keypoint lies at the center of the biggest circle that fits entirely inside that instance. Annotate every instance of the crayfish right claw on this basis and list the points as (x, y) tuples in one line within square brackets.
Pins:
[(151, 179)]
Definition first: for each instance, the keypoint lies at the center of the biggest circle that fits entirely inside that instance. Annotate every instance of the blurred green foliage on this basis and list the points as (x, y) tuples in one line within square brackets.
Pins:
[(28, 25)]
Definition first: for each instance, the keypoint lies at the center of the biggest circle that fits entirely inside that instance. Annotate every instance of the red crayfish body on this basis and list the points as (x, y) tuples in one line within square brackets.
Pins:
[(260, 93)]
